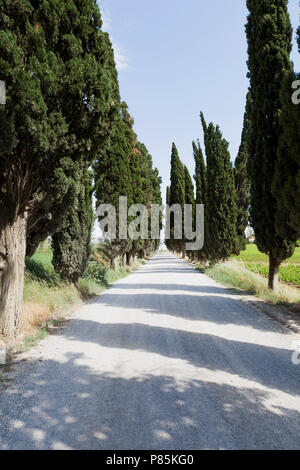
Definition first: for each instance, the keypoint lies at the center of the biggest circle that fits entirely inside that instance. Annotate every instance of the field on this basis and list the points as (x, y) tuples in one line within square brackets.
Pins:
[(257, 262)]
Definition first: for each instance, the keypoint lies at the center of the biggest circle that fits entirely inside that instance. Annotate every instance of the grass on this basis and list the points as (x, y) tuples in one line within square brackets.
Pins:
[(288, 274), (236, 275)]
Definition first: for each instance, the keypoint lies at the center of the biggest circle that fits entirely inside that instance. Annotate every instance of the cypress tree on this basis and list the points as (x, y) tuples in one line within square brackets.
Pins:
[(242, 186), (59, 108), (71, 244), (200, 180), (220, 209), (286, 186), (200, 173), (168, 195), (189, 197), (189, 188), (113, 175), (168, 200), (177, 195), (269, 34)]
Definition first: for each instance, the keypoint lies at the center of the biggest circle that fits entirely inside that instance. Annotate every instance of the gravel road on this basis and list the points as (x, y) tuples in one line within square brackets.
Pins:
[(165, 359)]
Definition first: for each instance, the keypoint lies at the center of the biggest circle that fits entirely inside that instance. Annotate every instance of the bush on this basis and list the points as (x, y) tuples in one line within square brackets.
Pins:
[(96, 272)]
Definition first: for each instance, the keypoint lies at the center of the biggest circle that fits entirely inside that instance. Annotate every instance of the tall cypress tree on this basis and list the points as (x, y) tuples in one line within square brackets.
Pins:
[(242, 186), (189, 188), (220, 209), (269, 34), (200, 180), (113, 174), (71, 244), (59, 108), (168, 200), (177, 195), (189, 196), (286, 186), (200, 173)]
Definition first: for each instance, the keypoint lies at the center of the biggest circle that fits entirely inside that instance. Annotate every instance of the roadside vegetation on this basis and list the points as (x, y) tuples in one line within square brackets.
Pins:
[(249, 272), (257, 262), (49, 300)]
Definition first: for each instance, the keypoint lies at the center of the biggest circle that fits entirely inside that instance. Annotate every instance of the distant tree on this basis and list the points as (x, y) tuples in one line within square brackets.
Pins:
[(242, 186), (177, 196), (71, 244), (220, 209), (55, 61), (269, 34)]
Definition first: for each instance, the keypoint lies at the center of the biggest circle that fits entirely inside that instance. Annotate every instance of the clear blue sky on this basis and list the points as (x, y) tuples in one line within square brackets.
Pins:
[(176, 58)]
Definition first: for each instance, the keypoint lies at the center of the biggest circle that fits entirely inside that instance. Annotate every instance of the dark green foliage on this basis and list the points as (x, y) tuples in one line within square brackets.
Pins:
[(95, 271), (220, 208), (286, 185), (125, 168), (61, 97), (177, 195), (177, 189), (190, 196), (71, 244), (269, 34), (200, 180), (168, 195), (242, 186), (189, 188), (61, 101), (200, 173)]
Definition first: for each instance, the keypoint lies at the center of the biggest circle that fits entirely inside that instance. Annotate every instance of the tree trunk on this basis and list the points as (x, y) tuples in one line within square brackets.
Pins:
[(273, 273), (130, 259), (124, 260), (12, 261), (115, 263)]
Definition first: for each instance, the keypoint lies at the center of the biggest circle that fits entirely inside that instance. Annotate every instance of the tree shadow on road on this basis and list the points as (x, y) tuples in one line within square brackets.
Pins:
[(61, 405)]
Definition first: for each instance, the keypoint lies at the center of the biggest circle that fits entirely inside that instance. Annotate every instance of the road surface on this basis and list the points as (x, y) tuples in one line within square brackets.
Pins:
[(166, 359)]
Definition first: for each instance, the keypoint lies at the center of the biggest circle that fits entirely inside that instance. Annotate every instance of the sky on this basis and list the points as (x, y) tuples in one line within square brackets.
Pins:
[(176, 58)]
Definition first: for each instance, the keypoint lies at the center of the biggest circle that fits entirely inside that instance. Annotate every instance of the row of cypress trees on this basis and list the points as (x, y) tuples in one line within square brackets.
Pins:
[(219, 188), (263, 188), (62, 114), (125, 168)]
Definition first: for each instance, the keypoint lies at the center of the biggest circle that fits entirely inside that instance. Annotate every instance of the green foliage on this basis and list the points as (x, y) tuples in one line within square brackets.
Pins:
[(71, 244), (200, 173), (220, 209), (177, 195), (286, 184), (269, 34), (97, 272), (242, 186), (59, 104)]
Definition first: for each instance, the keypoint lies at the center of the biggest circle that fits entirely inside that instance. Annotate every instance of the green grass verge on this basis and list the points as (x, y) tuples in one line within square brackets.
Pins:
[(47, 299), (236, 275), (288, 274)]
